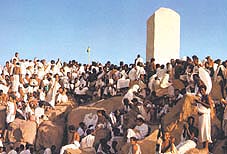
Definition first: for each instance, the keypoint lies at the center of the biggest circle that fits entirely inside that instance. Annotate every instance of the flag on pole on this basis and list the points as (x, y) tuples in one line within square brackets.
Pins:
[(88, 50)]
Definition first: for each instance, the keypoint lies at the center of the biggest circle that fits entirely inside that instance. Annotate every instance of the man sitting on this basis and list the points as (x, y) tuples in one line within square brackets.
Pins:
[(140, 131), (75, 143), (189, 136)]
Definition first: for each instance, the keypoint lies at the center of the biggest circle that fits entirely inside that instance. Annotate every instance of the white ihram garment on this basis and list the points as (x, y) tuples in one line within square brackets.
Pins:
[(204, 124)]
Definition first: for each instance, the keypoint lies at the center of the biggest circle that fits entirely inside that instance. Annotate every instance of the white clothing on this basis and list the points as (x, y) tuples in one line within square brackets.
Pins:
[(151, 82), (144, 114), (28, 110), (4, 88), (12, 152), (80, 131), (42, 96), (23, 152), (16, 82), (90, 119), (1, 145), (132, 74), (39, 112), (23, 69), (82, 91), (10, 112), (139, 60), (27, 151), (161, 73), (51, 95), (141, 132), (165, 81), (185, 146), (74, 146), (113, 118), (123, 83), (204, 124), (62, 98), (130, 94), (88, 141), (47, 151)]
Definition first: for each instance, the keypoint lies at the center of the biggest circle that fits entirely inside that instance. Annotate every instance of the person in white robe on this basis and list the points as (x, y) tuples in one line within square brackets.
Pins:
[(88, 141), (11, 109), (133, 74), (140, 131), (131, 93), (74, 145), (204, 105), (61, 96), (39, 112), (138, 59), (51, 95), (189, 136)]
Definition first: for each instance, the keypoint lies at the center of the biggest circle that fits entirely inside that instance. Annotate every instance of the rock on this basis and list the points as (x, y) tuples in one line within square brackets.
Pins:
[(174, 113), (50, 133), (60, 112), (219, 147), (22, 131), (77, 115), (147, 145), (71, 151), (3, 116), (110, 104), (100, 134), (178, 84), (216, 91), (130, 119)]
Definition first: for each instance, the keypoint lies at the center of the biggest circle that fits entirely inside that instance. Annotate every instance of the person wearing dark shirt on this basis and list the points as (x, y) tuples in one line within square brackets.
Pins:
[(189, 136)]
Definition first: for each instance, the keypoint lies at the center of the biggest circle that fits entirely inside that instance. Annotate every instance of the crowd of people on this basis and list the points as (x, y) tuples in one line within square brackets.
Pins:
[(29, 88)]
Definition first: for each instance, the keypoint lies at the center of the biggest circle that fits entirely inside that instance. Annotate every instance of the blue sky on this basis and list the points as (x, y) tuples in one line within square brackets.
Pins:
[(114, 29)]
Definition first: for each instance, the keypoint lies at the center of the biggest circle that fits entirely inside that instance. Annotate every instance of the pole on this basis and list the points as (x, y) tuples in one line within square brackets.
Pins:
[(88, 51)]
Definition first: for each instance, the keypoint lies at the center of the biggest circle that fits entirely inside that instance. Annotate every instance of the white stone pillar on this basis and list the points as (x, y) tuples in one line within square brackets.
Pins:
[(163, 36)]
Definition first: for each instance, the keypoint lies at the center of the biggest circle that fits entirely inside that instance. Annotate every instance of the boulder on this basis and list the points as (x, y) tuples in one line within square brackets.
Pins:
[(174, 113), (72, 151), (216, 91), (3, 116), (50, 133), (77, 115), (110, 104), (22, 131), (147, 145), (178, 84), (60, 112), (219, 147), (130, 119)]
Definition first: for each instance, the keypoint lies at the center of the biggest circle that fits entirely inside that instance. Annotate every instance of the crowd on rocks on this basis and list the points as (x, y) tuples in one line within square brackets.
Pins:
[(29, 88)]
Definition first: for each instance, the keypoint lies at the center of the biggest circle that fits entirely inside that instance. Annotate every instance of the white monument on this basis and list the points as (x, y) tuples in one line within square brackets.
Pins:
[(163, 36)]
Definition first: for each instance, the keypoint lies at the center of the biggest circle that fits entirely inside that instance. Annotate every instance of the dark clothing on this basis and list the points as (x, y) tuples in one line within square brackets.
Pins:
[(193, 130)]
